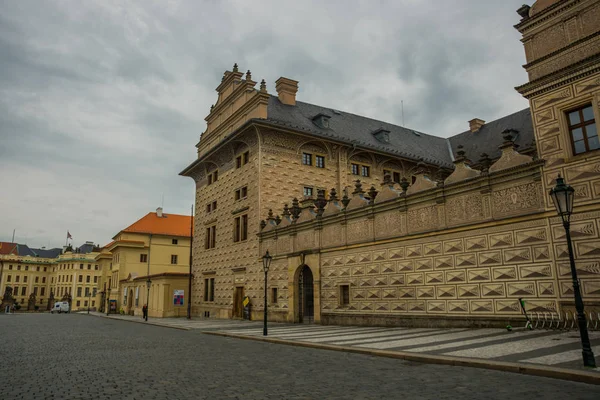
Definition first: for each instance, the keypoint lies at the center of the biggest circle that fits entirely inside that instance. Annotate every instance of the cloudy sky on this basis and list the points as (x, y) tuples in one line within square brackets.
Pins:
[(102, 102)]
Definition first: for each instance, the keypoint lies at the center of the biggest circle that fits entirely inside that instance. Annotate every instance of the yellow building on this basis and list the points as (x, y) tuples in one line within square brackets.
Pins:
[(462, 228), (155, 248), (39, 277)]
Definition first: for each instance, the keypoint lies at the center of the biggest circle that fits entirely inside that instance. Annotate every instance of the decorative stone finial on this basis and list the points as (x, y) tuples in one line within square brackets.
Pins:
[(485, 162), (212, 106), (263, 86), (235, 67), (372, 194), (286, 211), (404, 184), (333, 195), (358, 187), (460, 153), (345, 198), (321, 202), (295, 208), (278, 219), (508, 135), (270, 217), (248, 75), (263, 223)]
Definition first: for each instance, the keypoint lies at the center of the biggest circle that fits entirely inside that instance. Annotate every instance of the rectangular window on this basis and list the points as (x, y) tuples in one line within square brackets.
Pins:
[(320, 161), (10, 267), (85, 303), (344, 294), (209, 289), (213, 177), (78, 303), (94, 303), (18, 267), (210, 239), (173, 259), (37, 279), (89, 266), (25, 279), (240, 227), (364, 170), (87, 279), (210, 207), (17, 278), (242, 159), (143, 258), (8, 278), (174, 241), (95, 279), (80, 278), (306, 159), (80, 266), (23, 290), (96, 267), (354, 169), (274, 295), (27, 268), (79, 292), (396, 177), (43, 291), (43, 279), (582, 129), (35, 290), (241, 193), (308, 191), (87, 292)]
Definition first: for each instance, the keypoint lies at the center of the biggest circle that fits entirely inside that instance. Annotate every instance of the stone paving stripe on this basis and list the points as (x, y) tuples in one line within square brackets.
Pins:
[(328, 334), (368, 337), (410, 334), (565, 356), (456, 344), (560, 348), (312, 328), (514, 347), (447, 335)]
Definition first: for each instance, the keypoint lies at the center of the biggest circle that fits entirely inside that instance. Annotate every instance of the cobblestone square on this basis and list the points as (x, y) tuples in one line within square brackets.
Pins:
[(85, 357)]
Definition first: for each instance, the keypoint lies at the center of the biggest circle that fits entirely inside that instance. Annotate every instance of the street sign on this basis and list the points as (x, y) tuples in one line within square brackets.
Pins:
[(178, 297), (246, 301)]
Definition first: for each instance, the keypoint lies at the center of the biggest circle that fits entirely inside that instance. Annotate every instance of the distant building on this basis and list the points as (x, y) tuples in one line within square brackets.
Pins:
[(448, 231), (156, 247)]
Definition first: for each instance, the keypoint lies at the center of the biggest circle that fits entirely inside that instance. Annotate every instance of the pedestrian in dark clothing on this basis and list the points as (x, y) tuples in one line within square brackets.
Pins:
[(145, 311)]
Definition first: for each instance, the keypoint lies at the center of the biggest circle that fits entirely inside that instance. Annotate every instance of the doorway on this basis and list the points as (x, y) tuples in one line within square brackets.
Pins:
[(238, 306), (306, 301), (130, 302)]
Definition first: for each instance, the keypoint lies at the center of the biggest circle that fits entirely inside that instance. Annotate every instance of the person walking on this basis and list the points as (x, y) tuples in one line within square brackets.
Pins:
[(145, 311)]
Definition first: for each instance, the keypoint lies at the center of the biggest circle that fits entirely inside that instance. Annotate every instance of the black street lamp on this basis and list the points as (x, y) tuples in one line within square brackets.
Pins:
[(266, 264), (563, 196), (148, 283)]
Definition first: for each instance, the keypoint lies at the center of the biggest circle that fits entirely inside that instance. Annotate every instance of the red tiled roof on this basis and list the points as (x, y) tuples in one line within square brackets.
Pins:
[(168, 225), (8, 248)]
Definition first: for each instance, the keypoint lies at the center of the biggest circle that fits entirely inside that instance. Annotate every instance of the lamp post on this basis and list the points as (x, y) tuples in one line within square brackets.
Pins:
[(562, 195), (266, 264)]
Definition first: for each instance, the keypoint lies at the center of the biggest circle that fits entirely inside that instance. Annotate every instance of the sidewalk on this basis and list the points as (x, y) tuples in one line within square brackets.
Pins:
[(538, 347)]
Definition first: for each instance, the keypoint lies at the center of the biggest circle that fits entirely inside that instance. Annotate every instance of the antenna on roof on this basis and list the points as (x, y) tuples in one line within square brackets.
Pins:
[(402, 104)]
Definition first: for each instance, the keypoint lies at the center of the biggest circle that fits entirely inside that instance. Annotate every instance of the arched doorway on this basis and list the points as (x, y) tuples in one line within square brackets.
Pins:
[(306, 300)]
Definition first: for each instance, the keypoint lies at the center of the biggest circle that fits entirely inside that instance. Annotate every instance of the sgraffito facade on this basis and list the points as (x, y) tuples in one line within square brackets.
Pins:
[(438, 231)]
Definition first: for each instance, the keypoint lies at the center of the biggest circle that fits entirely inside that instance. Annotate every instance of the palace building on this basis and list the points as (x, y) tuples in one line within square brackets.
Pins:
[(374, 223)]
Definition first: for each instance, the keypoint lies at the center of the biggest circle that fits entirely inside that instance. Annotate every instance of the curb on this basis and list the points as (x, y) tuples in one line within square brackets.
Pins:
[(139, 322), (592, 378)]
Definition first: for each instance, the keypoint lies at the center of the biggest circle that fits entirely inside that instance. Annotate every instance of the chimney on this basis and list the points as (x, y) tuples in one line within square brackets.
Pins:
[(475, 124), (286, 90), (159, 213)]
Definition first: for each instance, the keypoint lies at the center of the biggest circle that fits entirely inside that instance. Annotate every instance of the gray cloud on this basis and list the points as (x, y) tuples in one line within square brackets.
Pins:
[(102, 102)]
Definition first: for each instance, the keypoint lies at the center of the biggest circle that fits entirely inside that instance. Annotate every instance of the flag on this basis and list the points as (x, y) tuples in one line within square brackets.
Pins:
[(69, 235)]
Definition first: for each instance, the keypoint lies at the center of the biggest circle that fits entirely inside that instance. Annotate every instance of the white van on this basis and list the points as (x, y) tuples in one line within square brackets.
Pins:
[(60, 307)]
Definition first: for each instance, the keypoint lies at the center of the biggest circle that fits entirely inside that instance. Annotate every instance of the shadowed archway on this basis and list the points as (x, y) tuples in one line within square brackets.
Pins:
[(305, 300)]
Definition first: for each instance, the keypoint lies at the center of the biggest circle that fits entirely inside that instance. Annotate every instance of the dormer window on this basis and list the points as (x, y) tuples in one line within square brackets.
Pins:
[(382, 135), (321, 120)]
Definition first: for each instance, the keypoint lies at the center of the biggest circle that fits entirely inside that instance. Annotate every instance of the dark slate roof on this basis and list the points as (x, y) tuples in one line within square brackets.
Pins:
[(85, 248), (489, 137), (351, 128), (24, 250), (47, 253)]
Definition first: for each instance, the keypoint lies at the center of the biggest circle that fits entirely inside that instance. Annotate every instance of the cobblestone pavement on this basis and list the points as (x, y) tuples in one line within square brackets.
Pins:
[(542, 347), (81, 357)]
